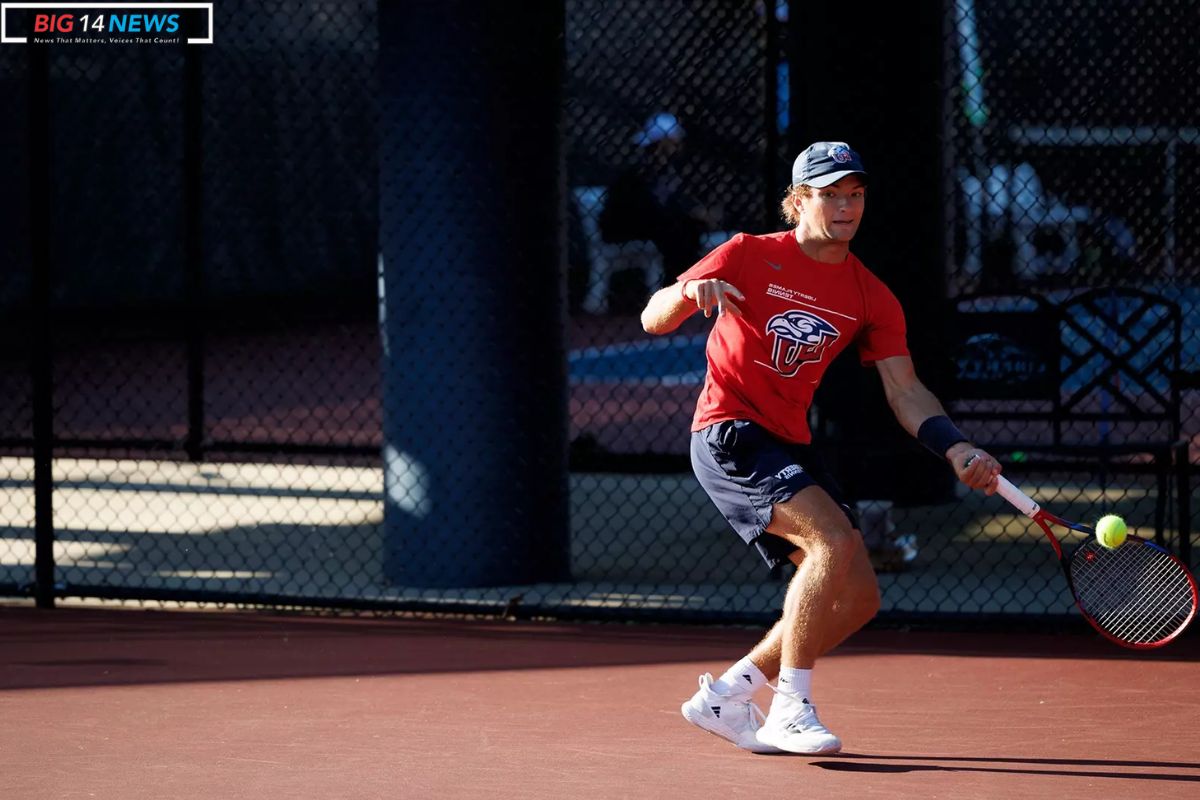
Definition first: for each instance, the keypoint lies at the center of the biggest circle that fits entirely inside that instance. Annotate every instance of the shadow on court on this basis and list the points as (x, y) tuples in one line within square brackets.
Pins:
[(1068, 639), (83, 646), (94, 646), (852, 762)]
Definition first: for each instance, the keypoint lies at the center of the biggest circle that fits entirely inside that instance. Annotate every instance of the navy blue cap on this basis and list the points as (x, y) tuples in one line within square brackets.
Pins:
[(823, 163)]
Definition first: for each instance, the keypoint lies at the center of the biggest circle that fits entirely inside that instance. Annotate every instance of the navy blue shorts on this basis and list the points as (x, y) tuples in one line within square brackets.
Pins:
[(746, 471)]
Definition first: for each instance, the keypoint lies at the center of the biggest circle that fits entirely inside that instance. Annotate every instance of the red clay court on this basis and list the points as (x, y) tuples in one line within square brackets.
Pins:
[(118, 703)]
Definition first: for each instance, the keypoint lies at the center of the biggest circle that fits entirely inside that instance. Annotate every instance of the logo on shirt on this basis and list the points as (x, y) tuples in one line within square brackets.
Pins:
[(800, 337)]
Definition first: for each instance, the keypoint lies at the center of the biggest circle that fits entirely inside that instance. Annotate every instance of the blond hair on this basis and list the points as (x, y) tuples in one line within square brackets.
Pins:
[(787, 208)]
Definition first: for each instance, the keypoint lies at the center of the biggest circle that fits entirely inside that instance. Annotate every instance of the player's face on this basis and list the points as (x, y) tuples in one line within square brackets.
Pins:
[(834, 212)]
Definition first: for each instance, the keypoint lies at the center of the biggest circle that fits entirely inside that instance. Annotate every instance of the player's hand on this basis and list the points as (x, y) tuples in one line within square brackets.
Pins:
[(713, 293), (974, 467)]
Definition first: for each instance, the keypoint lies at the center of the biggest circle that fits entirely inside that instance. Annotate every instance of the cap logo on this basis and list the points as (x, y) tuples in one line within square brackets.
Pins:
[(841, 154)]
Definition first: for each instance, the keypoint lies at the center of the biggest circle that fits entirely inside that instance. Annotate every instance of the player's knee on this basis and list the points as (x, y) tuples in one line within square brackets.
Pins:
[(821, 531), (838, 545)]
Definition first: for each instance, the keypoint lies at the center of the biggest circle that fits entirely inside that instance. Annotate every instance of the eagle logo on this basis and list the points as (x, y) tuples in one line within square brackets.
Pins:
[(841, 153), (799, 337)]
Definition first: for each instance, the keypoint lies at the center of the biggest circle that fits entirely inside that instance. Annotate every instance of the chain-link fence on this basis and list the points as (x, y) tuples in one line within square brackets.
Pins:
[(1069, 146), (234, 420), (212, 219)]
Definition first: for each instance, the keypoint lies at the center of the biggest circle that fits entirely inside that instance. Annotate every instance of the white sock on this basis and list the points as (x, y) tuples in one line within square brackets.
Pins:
[(744, 677), (796, 681)]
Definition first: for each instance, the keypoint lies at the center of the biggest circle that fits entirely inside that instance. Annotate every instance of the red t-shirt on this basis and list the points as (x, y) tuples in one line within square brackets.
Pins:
[(797, 316)]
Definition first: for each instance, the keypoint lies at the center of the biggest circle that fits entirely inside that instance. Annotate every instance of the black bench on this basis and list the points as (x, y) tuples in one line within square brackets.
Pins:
[(1087, 383)]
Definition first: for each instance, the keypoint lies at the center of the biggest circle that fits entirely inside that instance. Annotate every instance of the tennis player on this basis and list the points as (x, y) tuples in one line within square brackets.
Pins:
[(786, 305)]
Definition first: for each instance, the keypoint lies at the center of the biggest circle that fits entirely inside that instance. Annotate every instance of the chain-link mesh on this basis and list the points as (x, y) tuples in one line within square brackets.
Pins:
[(1071, 265), (221, 422), (16, 419), (1075, 144), (214, 211), (657, 177)]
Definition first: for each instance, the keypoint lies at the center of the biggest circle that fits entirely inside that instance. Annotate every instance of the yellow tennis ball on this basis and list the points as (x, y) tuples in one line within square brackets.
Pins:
[(1111, 531)]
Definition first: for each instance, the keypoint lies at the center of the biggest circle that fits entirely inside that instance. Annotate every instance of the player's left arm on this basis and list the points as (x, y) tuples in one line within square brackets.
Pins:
[(921, 414)]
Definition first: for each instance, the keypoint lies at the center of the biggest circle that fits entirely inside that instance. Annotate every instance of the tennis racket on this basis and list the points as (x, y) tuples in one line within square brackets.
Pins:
[(1137, 594)]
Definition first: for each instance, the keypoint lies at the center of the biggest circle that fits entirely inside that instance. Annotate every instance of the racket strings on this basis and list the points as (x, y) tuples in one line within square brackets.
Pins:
[(1141, 620), (1148, 621), (1144, 600), (1138, 602), (1137, 592)]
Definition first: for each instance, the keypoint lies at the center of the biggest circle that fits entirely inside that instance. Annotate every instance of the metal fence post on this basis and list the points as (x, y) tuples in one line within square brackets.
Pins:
[(41, 354), (193, 252)]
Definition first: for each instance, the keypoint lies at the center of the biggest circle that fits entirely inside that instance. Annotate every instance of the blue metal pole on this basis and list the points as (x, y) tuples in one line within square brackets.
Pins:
[(473, 293)]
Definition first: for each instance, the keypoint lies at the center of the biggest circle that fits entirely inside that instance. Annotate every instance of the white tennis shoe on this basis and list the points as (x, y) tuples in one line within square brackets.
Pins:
[(792, 725), (733, 717)]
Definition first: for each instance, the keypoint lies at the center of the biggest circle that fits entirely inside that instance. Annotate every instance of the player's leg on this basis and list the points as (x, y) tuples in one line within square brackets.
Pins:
[(850, 612), (832, 594), (834, 591), (753, 479), (744, 471), (806, 632), (858, 604)]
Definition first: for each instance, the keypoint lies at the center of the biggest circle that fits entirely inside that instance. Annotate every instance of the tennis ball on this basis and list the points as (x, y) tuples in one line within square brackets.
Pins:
[(1110, 531)]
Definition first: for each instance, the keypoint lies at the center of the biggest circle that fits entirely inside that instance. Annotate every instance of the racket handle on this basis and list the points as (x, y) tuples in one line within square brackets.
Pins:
[(1012, 494)]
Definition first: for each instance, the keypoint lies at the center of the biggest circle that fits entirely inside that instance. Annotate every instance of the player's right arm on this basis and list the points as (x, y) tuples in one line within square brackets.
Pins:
[(669, 307)]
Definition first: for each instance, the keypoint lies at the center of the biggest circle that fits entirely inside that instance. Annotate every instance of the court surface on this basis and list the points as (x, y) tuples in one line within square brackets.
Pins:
[(119, 703)]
